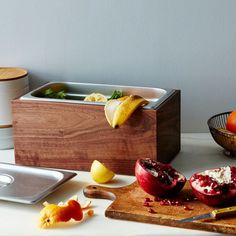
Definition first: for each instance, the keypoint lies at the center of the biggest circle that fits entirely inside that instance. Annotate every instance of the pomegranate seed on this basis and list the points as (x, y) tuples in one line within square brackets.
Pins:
[(202, 183), (146, 204), (187, 208), (147, 199), (200, 177), (165, 202), (212, 191)]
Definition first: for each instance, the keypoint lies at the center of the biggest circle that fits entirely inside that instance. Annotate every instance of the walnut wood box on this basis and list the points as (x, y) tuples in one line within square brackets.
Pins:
[(70, 133)]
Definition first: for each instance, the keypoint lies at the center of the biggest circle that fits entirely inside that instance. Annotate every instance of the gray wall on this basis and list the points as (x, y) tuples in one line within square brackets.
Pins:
[(184, 44)]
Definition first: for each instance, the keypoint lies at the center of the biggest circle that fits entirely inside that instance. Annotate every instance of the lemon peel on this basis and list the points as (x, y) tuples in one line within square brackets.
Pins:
[(118, 111), (63, 212)]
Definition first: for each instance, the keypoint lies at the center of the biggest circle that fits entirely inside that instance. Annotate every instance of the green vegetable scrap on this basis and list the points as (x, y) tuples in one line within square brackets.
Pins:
[(116, 94), (49, 93)]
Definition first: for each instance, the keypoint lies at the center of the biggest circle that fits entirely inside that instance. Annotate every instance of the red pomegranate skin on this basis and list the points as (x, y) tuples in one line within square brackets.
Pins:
[(152, 185), (223, 196)]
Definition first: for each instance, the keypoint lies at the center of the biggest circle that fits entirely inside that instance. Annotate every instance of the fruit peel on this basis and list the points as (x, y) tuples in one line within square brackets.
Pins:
[(53, 213), (63, 212), (118, 111)]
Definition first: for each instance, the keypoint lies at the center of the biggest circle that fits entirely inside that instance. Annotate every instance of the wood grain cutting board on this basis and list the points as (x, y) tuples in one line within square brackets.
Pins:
[(128, 205)]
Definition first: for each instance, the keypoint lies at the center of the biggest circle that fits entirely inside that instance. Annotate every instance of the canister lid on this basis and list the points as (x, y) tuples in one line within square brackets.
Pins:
[(12, 73)]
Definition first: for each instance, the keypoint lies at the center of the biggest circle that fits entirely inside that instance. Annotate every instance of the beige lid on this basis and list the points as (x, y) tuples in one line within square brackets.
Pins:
[(12, 73)]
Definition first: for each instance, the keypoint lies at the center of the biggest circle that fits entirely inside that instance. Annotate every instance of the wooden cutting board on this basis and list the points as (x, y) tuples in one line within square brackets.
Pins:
[(128, 205)]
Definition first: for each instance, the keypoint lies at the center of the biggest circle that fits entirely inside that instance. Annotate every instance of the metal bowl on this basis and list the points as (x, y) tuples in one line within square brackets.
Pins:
[(223, 137)]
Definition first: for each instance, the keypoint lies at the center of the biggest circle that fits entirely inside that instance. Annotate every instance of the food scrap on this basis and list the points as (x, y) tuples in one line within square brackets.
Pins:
[(99, 97), (187, 208), (95, 97), (50, 93), (62, 212), (116, 94), (118, 111), (90, 212), (100, 173)]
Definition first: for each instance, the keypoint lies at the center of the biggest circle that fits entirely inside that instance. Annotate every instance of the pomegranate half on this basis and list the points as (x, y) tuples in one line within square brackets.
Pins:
[(158, 179), (215, 186)]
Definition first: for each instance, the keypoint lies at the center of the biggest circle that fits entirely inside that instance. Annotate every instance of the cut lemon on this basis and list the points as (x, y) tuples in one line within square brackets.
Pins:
[(122, 98), (118, 111), (95, 97), (110, 109), (100, 173)]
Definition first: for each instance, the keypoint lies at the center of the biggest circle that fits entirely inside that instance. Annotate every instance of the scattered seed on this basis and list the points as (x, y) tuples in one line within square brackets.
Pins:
[(187, 208), (90, 212), (167, 202), (147, 199), (146, 204)]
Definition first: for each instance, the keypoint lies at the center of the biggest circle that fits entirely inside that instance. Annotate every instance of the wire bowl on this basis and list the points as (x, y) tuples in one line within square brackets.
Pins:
[(225, 138)]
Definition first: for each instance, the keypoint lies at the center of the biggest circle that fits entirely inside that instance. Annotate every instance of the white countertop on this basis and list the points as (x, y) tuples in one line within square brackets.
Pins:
[(198, 152)]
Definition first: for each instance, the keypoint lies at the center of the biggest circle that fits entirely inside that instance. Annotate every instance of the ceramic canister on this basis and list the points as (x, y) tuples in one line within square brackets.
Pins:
[(13, 84)]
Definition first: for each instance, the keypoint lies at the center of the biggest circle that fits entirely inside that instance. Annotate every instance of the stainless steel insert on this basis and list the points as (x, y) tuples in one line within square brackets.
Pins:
[(29, 184), (76, 92)]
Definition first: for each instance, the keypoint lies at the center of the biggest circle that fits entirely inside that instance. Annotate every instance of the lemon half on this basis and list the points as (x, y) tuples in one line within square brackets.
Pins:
[(100, 173), (95, 97)]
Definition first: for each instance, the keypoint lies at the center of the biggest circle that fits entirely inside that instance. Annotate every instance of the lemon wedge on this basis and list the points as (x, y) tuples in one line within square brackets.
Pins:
[(118, 111), (100, 173), (95, 97), (110, 108)]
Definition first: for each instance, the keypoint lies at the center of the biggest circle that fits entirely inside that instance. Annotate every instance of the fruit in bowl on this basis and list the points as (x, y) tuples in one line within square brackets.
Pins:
[(221, 127), (158, 179), (215, 186), (231, 122)]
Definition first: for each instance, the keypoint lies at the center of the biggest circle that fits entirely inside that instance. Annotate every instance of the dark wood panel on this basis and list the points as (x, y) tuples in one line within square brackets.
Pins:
[(71, 136), (168, 128)]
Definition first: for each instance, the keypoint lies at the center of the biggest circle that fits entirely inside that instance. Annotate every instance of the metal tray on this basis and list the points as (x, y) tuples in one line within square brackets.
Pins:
[(76, 92), (29, 184)]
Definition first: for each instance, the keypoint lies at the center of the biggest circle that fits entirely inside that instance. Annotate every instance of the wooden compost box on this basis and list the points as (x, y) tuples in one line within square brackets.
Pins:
[(70, 133)]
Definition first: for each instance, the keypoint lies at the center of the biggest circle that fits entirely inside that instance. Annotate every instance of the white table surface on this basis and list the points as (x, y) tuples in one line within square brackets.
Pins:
[(198, 152)]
